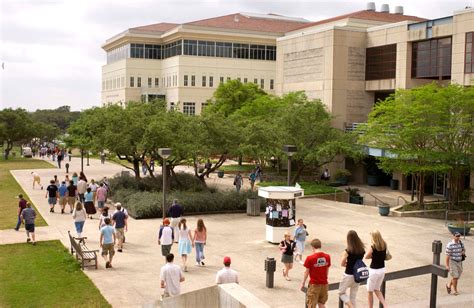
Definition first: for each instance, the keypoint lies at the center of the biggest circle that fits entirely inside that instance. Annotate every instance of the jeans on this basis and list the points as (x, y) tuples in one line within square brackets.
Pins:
[(79, 226), (81, 198), (199, 251), (18, 224)]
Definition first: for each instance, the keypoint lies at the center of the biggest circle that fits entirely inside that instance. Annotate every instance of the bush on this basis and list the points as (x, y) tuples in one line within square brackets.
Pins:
[(182, 181), (145, 204)]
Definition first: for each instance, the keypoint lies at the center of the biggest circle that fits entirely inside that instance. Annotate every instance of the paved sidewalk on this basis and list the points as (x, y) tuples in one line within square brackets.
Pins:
[(134, 281)]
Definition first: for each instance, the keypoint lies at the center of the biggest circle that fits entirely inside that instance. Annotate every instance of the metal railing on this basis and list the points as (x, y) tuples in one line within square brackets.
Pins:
[(434, 269), (401, 197), (377, 199)]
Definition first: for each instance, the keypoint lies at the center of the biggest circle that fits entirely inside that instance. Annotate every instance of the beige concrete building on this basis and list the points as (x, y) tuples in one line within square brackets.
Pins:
[(185, 63)]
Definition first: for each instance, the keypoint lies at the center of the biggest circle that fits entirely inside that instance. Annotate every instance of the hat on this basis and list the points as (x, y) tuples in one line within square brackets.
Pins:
[(20, 196), (457, 234), (227, 260), (166, 221), (118, 204)]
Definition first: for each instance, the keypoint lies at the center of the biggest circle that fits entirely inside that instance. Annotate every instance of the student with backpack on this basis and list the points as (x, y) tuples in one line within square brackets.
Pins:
[(355, 270)]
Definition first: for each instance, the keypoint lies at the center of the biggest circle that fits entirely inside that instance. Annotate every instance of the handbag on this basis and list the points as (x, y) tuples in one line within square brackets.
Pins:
[(463, 256), (388, 256)]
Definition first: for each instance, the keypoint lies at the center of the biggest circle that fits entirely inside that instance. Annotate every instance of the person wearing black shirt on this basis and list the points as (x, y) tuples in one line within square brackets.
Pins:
[(52, 195), (355, 251), (378, 254), (287, 248)]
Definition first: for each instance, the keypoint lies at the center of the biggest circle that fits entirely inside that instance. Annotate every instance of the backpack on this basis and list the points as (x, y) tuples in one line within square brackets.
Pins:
[(360, 270)]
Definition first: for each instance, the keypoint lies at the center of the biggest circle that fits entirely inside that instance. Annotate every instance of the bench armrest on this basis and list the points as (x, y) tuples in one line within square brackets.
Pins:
[(80, 238)]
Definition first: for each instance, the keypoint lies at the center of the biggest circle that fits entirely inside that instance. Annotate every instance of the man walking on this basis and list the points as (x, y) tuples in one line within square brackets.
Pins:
[(107, 242), (120, 223), (52, 195), (455, 254), (317, 268), (21, 206), (81, 189), (101, 196), (63, 193), (227, 275), (238, 181), (175, 212), (165, 237), (36, 180), (28, 216), (171, 277)]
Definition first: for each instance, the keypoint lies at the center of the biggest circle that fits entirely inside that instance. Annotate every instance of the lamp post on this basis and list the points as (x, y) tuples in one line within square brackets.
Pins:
[(164, 153), (88, 158), (290, 150)]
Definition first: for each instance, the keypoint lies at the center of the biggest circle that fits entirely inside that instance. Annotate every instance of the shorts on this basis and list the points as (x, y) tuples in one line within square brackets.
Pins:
[(100, 204), (62, 200), (119, 233), (376, 276), (108, 249), (286, 258), (317, 293), (300, 247), (52, 200), (165, 250), (455, 268), (30, 228), (71, 200)]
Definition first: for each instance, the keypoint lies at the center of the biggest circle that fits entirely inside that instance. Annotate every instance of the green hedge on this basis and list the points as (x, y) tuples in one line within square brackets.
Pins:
[(146, 204), (181, 181)]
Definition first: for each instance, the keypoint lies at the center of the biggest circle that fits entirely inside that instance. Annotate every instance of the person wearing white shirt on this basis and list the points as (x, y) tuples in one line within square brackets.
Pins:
[(81, 189), (227, 275), (171, 277)]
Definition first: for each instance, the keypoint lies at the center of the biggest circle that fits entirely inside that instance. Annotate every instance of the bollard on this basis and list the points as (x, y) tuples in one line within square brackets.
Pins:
[(436, 247), (270, 268), (67, 167)]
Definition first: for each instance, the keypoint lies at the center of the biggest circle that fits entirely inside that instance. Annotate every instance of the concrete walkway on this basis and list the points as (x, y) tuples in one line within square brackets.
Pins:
[(134, 280)]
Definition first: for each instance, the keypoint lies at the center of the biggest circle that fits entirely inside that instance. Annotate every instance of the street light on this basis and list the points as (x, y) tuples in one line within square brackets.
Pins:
[(164, 153), (290, 150)]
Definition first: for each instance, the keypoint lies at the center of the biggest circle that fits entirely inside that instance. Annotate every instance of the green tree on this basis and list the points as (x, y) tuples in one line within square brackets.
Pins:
[(17, 126), (61, 117)]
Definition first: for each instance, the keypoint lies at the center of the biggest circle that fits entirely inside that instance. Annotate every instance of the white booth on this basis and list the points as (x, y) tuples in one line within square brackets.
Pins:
[(280, 210)]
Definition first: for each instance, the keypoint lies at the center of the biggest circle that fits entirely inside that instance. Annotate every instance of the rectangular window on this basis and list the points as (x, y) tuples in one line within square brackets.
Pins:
[(149, 82), (431, 59), (157, 82), (190, 47), (245, 80), (255, 81), (189, 108), (114, 83), (185, 81), (270, 53), (206, 49), (172, 49), (381, 62), (239, 79), (203, 81), (203, 106), (469, 55), (221, 80), (122, 82), (240, 51), (132, 82), (223, 50), (211, 81), (262, 83), (171, 105), (139, 82), (163, 82), (193, 81), (272, 85), (257, 52), (228, 78)]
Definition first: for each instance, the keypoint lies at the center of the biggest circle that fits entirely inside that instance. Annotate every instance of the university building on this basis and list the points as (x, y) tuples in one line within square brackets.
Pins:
[(349, 61)]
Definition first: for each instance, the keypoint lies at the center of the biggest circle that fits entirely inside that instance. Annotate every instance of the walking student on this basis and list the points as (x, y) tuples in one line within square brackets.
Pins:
[(238, 181), (354, 251), (21, 206), (101, 196), (227, 275), (62, 190), (378, 253), (79, 215), (107, 243), (184, 243), (120, 222), (52, 195), (300, 238), (199, 240), (317, 268), (36, 180), (165, 237), (71, 195), (171, 277), (88, 198), (455, 254), (287, 248), (81, 189), (28, 216)]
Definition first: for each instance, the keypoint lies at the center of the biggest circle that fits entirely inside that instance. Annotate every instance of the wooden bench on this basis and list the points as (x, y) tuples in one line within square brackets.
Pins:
[(78, 246)]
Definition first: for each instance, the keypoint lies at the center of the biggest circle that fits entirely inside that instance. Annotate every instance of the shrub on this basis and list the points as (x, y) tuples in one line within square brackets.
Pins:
[(181, 181)]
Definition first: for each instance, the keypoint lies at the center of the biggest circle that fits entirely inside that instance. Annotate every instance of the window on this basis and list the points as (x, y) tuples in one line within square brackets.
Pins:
[(239, 79), (241, 51), (245, 80), (381, 62), (132, 82), (257, 52), (149, 82), (211, 81), (207, 49), (185, 81), (172, 49), (228, 78), (224, 50), (221, 80), (431, 59), (137, 51), (114, 83), (189, 108), (193, 81), (469, 60), (122, 82), (270, 53), (139, 82), (203, 106), (255, 81), (157, 82), (272, 85), (203, 81), (171, 105), (262, 83), (190, 47)]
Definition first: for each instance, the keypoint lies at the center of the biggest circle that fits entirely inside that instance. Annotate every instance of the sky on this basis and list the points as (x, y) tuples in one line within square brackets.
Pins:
[(51, 49)]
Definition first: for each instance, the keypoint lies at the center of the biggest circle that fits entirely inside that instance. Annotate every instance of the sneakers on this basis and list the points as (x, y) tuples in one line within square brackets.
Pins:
[(202, 263), (185, 269), (34, 243), (28, 240), (198, 264), (16, 229), (62, 211), (301, 262), (107, 264), (119, 250)]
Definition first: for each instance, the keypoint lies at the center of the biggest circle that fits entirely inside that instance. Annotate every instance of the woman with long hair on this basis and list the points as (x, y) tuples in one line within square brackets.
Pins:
[(378, 253), (184, 242), (79, 216), (105, 214), (355, 251), (199, 240), (287, 248)]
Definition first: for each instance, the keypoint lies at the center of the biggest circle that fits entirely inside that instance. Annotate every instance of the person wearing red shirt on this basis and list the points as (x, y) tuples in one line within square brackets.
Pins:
[(317, 268)]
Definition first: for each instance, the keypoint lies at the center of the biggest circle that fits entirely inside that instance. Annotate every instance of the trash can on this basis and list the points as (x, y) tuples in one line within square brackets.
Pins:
[(394, 184), (253, 207), (220, 173)]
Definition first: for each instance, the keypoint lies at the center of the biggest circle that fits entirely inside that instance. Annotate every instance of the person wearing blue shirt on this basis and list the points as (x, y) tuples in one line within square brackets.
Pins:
[(107, 242), (300, 237), (62, 190)]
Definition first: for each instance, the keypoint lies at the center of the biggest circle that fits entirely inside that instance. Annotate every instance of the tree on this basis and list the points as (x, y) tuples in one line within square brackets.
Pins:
[(17, 126), (61, 117)]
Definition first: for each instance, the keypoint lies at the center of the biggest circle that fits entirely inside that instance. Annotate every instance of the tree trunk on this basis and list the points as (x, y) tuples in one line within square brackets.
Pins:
[(216, 166), (240, 160), (299, 169), (136, 167), (8, 149)]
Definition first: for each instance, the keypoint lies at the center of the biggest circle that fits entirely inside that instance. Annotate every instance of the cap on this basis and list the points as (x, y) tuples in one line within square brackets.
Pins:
[(20, 196), (118, 204), (227, 260), (166, 221), (457, 234)]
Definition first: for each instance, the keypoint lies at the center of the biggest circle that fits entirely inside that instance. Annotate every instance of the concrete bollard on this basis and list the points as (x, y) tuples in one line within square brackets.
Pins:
[(67, 167), (270, 268)]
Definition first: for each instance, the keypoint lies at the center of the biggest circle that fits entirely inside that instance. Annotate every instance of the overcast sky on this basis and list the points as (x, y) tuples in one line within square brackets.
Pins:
[(51, 48)]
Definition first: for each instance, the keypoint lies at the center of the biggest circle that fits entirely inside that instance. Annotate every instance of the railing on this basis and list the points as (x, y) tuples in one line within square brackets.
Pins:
[(377, 199), (401, 197), (434, 269)]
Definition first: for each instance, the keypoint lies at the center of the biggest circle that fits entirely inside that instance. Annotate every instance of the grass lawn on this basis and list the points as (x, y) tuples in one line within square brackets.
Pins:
[(243, 168), (310, 188), (9, 189), (45, 275)]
